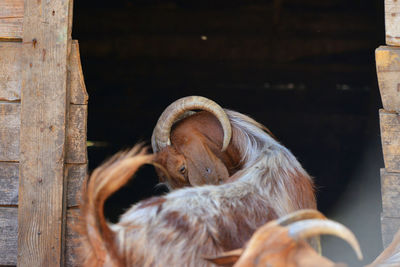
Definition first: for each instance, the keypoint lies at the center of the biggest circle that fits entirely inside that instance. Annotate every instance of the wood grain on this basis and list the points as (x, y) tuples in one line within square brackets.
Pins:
[(72, 239), (390, 226), (8, 235), (9, 131), (10, 71), (390, 185), (76, 79), (76, 175), (388, 71), (76, 151), (9, 183), (11, 18), (392, 22), (43, 132), (76, 134), (390, 132)]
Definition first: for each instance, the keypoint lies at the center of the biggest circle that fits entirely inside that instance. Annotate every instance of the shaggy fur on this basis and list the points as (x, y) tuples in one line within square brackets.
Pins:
[(179, 229), (390, 257)]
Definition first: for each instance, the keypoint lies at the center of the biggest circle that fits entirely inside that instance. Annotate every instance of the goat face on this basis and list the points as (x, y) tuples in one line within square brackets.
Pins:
[(191, 153), (282, 243)]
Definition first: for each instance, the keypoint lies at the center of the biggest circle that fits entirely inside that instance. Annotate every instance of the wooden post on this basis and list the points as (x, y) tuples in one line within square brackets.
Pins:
[(392, 22), (41, 211), (388, 71)]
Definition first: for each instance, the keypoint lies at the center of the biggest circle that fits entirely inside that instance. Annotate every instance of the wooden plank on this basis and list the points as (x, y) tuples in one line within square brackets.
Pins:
[(11, 8), (388, 70), (390, 186), (11, 18), (390, 132), (10, 71), (8, 235), (9, 183), (45, 48), (76, 80), (9, 131), (390, 226), (76, 175), (72, 239), (392, 22), (76, 134)]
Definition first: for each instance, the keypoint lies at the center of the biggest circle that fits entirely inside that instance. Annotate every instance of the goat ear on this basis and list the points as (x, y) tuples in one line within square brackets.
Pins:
[(226, 259), (204, 167)]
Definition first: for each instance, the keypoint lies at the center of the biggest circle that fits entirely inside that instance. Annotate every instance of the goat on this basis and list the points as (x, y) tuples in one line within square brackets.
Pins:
[(282, 243), (191, 154), (177, 229), (220, 215), (390, 257)]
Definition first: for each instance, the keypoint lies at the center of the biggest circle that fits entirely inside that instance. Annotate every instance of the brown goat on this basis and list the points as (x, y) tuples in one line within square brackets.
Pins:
[(262, 182), (177, 229), (198, 151), (281, 243), (218, 146)]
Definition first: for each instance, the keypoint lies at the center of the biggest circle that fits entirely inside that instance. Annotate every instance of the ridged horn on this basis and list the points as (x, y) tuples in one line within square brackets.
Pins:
[(314, 227), (300, 215), (174, 112)]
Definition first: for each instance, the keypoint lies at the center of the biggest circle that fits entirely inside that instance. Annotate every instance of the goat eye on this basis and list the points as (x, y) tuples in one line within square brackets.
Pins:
[(182, 169)]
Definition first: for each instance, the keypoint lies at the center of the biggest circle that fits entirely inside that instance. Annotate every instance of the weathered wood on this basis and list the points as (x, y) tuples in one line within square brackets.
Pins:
[(43, 133), (76, 79), (72, 242), (392, 22), (390, 185), (76, 175), (11, 17), (8, 235), (10, 71), (9, 131), (76, 134), (390, 132), (388, 70), (9, 183), (390, 226)]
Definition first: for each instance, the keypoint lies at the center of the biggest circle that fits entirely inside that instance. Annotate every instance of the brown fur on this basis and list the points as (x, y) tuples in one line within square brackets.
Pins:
[(196, 145), (98, 246), (181, 227), (272, 246)]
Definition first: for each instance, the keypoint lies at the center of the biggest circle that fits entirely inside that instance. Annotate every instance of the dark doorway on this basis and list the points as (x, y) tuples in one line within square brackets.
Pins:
[(304, 68)]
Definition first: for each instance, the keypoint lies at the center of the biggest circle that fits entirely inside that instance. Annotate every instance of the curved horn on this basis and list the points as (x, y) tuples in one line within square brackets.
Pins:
[(300, 215), (309, 228), (162, 131)]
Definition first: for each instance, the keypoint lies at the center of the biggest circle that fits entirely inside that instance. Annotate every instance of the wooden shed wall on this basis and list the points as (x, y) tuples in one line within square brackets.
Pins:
[(388, 70), (15, 49)]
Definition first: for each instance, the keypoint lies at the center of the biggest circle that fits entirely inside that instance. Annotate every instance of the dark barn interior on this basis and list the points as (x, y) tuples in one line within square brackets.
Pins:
[(304, 68)]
